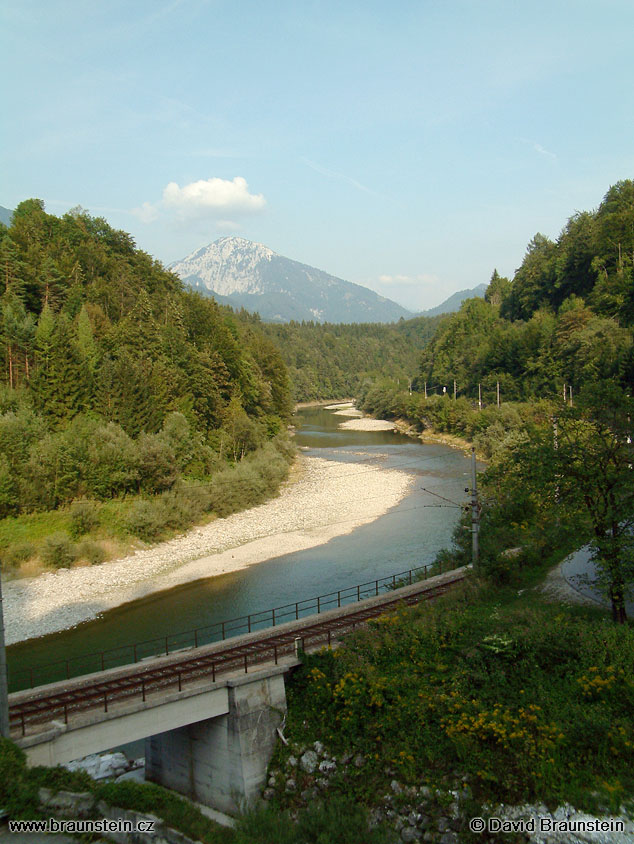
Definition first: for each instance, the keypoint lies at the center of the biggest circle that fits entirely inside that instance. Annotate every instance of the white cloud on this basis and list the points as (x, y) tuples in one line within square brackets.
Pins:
[(147, 212), (421, 278), (228, 226), (333, 174), (543, 151), (203, 199), (212, 195), (539, 148)]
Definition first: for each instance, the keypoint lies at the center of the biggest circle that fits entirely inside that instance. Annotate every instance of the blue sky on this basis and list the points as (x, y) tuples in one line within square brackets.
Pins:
[(408, 146)]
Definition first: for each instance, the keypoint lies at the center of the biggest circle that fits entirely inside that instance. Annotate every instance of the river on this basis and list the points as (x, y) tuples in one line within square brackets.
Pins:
[(407, 536)]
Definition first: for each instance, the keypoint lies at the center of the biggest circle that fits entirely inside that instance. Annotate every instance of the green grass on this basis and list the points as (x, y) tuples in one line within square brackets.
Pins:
[(19, 786), (33, 527), (532, 701), (119, 524)]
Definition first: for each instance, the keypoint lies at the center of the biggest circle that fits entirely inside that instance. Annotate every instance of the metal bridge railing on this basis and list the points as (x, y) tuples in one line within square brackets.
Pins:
[(129, 654)]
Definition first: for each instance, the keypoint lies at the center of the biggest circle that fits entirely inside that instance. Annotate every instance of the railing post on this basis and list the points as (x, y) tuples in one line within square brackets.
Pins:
[(143, 689), (339, 598), (275, 653), (296, 611), (410, 577), (213, 672), (318, 605), (66, 713), (329, 637), (180, 687), (393, 581), (273, 616), (23, 723), (249, 623), (376, 583), (105, 701), (246, 668), (223, 631), (358, 593)]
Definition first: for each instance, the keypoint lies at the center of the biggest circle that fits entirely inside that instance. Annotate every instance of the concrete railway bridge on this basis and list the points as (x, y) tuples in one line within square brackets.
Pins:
[(208, 714)]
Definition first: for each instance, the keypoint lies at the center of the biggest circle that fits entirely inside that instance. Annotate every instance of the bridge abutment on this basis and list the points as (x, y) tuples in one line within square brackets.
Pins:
[(222, 761)]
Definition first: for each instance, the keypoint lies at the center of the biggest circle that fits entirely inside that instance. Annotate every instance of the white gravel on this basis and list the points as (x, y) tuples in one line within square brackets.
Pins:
[(367, 424), (349, 411), (328, 500)]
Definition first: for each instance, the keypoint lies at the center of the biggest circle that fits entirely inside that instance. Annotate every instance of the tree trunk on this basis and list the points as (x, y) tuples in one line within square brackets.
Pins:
[(619, 613)]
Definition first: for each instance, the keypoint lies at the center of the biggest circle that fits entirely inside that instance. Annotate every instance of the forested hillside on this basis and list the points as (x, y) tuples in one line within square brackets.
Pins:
[(335, 360), (117, 380), (566, 317), (558, 341)]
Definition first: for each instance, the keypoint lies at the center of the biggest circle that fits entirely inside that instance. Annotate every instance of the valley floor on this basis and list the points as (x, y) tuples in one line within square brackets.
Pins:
[(324, 499)]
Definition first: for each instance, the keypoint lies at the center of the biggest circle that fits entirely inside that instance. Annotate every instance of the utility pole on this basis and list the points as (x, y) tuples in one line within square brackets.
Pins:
[(556, 448), (425, 389), (479, 396), (570, 394), (564, 392), (454, 389), (4, 691), (475, 513)]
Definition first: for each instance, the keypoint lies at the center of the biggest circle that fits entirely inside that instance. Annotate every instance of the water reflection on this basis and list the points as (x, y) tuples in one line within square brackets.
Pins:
[(407, 536)]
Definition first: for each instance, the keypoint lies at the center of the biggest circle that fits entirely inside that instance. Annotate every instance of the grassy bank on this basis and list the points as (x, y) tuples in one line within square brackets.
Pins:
[(487, 696), (455, 422), (89, 532), (526, 701)]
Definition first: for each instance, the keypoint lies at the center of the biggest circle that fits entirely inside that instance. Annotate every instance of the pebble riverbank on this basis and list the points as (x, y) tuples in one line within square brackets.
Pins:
[(329, 499)]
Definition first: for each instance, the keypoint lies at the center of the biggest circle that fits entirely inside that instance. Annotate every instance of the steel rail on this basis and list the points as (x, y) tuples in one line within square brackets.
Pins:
[(200, 636), (34, 707)]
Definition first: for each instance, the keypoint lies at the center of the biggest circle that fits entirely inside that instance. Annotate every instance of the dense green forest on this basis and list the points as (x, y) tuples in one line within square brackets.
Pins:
[(565, 320), (335, 361), (559, 462), (566, 317), (116, 379)]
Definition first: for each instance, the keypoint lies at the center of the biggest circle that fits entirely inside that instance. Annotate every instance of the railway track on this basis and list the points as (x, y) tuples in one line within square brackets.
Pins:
[(30, 710)]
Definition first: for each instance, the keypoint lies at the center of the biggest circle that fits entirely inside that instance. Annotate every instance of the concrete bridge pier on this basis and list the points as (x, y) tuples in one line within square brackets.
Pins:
[(222, 761)]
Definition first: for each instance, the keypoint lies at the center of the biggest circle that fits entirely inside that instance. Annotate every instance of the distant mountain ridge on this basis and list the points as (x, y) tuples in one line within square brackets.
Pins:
[(453, 303), (5, 216), (249, 275)]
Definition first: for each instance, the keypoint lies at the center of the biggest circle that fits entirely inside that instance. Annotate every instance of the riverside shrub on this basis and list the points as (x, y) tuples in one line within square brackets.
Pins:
[(58, 551), (84, 517), (533, 703), (17, 553), (92, 552)]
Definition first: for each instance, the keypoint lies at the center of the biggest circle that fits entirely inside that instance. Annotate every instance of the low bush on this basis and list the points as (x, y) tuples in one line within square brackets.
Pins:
[(18, 795), (176, 812), (144, 520), (92, 552), (58, 551), (17, 553), (84, 516), (19, 786), (340, 820), (532, 703)]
